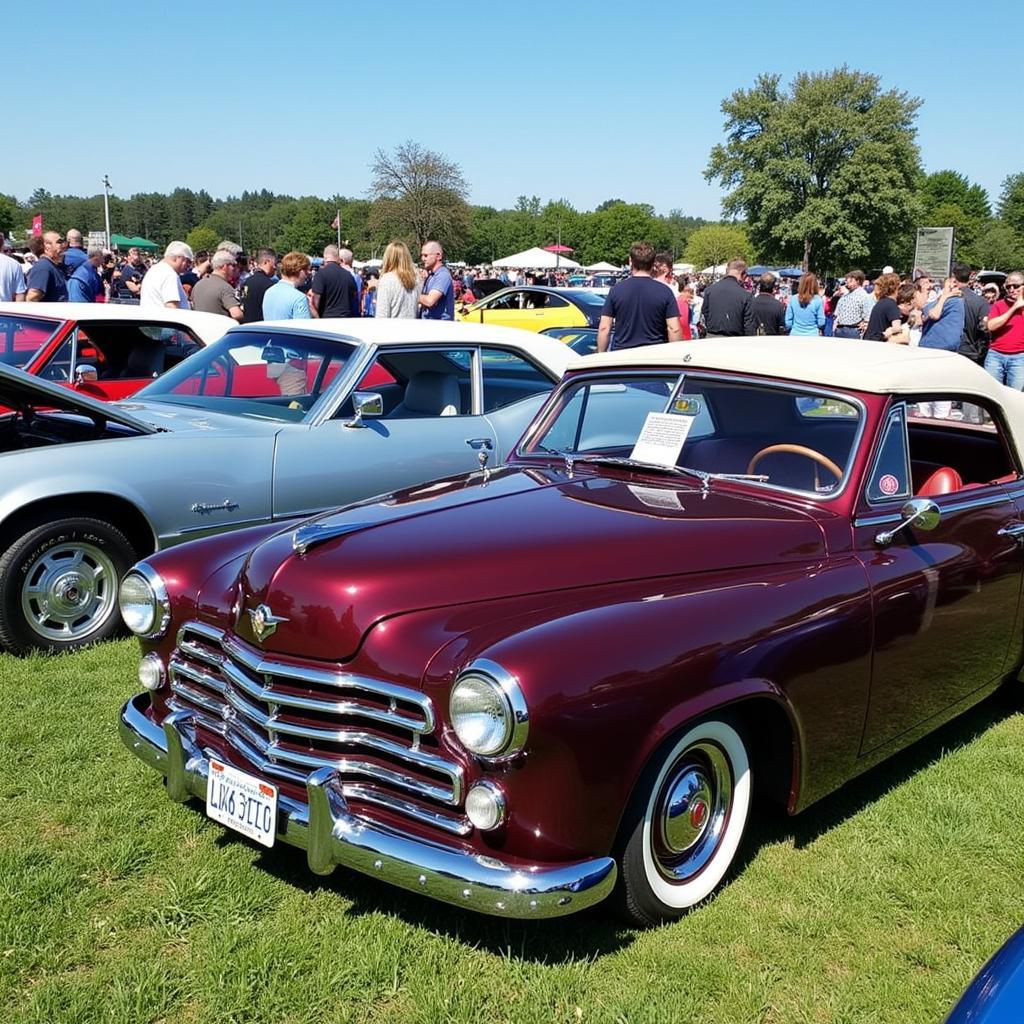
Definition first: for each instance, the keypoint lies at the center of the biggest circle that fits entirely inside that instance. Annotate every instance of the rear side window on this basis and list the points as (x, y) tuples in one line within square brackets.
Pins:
[(509, 378)]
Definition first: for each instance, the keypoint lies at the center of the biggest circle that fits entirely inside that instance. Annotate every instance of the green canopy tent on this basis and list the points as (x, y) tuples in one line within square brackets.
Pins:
[(121, 242)]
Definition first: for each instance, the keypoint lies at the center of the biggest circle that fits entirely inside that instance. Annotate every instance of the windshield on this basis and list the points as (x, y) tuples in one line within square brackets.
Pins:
[(787, 436), (22, 336), (255, 372)]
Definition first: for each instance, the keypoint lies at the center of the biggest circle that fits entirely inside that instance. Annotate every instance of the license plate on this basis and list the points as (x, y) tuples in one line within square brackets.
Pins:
[(242, 802)]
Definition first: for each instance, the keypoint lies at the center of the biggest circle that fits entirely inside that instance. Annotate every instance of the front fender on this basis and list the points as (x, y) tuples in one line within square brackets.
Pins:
[(609, 675)]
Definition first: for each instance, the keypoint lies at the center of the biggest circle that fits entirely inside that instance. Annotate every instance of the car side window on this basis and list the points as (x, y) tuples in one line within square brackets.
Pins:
[(956, 444), (508, 301), (890, 475), (509, 378), (419, 383)]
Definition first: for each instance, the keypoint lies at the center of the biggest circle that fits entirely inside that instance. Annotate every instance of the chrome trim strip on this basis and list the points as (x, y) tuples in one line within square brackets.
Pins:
[(457, 826), (268, 758), (332, 835), (883, 518)]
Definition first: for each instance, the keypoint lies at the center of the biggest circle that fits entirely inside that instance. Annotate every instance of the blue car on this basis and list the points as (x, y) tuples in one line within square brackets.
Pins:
[(996, 996)]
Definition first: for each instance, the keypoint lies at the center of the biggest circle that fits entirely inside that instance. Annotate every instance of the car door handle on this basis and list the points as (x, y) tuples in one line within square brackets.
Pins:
[(485, 444), (1014, 530)]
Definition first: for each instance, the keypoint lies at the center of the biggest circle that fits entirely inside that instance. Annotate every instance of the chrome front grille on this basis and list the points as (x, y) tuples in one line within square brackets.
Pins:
[(290, 720)]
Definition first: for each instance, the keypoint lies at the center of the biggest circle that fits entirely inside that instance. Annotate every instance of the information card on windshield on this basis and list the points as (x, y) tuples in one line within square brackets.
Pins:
[(662, 438)]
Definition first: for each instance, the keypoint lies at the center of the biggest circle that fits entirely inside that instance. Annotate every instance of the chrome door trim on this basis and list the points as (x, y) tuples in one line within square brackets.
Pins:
[(954, 506)]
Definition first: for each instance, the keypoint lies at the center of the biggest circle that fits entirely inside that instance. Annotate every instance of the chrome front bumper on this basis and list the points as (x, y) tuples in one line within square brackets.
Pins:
[(331, 835)]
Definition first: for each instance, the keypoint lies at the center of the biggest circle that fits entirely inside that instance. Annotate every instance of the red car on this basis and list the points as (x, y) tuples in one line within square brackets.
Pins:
[(106, 350), (710, 575)]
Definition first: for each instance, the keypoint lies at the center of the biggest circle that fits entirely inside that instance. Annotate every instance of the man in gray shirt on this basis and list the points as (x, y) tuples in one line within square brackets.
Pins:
[(216, 293)]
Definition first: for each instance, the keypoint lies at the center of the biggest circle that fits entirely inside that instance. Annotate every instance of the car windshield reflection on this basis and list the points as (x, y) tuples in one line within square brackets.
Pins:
[(774, 435), (269, 374)]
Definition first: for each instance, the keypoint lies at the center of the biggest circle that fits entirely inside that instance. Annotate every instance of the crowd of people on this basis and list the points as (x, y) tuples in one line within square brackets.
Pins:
[(983, 321), (980, 320), (55, 268)]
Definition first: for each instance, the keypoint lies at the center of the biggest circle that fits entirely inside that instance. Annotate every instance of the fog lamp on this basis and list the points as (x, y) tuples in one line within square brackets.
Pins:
[(151, 672), (485, 805)]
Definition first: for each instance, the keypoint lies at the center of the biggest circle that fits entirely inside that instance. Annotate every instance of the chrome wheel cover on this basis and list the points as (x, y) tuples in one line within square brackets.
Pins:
[(690, 812), (69, 591)]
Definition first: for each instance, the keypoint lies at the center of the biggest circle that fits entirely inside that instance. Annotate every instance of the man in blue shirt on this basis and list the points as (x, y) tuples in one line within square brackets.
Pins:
[(85, 284), (46, 280), (437, 299), (942, 321), (75, 254)]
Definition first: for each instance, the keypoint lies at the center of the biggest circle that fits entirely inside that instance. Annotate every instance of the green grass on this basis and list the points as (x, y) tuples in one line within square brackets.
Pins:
[(117, 905)]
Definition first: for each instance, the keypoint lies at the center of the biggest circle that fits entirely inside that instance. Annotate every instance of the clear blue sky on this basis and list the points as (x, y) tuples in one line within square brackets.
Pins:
[(582, 101)]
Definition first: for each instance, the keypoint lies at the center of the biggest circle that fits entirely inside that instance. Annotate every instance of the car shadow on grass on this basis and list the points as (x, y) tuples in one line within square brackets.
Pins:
[(773, 825), (596, 932)]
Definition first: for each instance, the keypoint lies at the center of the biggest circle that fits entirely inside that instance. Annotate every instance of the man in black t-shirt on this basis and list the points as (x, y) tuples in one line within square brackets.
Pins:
[(643, 311), (256, 285), (334, 291)]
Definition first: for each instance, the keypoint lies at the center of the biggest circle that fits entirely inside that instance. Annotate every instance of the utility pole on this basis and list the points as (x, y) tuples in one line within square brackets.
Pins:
[(106, 206)]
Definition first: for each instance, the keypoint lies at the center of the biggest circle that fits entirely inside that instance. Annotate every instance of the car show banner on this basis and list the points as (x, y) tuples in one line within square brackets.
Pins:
[(934, 252)]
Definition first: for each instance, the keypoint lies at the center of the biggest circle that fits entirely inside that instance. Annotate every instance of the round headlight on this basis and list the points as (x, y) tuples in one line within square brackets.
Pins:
[(143, 600), (488, 711)]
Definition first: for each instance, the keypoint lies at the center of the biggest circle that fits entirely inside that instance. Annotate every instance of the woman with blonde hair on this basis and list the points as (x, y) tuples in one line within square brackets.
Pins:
[(805, 312), (398, 290)]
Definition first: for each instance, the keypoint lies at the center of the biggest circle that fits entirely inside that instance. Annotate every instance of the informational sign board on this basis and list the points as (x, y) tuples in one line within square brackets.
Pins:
[(934, 252), (97, 240)]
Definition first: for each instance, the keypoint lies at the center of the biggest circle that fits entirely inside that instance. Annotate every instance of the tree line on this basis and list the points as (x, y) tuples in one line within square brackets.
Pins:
[(825, 172)]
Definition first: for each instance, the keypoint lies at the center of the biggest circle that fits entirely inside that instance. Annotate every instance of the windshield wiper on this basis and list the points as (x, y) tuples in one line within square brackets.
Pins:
[(621, 460), (760, 477)]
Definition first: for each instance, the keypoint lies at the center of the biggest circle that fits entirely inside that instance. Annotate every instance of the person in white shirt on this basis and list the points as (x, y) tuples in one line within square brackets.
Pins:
[(12, 278), (162, 284)]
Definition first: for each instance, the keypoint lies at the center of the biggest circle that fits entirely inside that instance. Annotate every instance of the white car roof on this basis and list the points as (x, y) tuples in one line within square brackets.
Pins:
[(207, 326), (547, 351), (843, 363)]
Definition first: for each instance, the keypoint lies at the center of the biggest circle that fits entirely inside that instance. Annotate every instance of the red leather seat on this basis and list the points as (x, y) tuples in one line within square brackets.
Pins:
[(945, 480)]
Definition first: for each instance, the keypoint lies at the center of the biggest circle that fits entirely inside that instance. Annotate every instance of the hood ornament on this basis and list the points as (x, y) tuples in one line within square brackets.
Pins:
[(264, 621)]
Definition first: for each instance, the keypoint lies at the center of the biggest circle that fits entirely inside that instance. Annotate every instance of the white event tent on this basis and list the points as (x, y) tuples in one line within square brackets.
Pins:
[(535, 259), (604, 265)]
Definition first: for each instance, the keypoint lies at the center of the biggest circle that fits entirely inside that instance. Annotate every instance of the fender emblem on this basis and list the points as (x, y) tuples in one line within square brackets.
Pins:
[(264, 621)]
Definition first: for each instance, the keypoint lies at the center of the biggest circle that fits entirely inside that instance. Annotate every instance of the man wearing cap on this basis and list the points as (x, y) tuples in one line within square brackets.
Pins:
[(75, 255), (216, 293), (162, 286), (12, 277), (85, 283)]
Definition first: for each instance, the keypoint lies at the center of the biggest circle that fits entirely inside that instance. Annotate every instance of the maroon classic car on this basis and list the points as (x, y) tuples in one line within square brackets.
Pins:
[(710, 575)]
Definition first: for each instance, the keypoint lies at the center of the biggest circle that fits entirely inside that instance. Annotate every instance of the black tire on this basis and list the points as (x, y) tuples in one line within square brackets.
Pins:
[(58, 584), (685, 823)]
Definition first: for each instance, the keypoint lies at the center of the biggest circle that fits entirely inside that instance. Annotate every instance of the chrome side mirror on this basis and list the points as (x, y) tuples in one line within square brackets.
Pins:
[(921, 513), (365, 405), (85, 374)]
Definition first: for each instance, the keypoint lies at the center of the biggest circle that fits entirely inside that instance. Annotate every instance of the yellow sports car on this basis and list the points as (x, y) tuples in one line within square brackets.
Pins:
[(536, 308)]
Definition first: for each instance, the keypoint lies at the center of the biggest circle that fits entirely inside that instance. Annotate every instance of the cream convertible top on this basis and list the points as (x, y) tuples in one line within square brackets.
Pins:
[(844, 364)]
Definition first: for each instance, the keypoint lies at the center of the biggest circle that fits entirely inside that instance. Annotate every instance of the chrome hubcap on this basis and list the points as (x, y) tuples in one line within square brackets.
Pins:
[(691, 811), (69, 591)]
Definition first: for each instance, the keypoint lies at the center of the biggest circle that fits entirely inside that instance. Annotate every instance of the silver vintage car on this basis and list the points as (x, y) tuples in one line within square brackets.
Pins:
[(273, 421)]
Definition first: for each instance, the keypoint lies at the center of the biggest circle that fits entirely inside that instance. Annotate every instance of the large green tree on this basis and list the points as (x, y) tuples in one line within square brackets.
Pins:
[(824, 172), (10, 214)]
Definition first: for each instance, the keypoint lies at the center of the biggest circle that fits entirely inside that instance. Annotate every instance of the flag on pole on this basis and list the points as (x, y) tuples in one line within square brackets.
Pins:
[(336, 223), (37, 224)]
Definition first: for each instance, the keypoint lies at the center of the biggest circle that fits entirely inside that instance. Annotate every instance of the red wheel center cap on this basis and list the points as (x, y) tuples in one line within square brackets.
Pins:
[(698, 812)]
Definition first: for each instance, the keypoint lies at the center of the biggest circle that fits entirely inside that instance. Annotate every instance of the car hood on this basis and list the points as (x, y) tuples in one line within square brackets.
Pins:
[(19, 390), (520, 531), (181, 418)]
